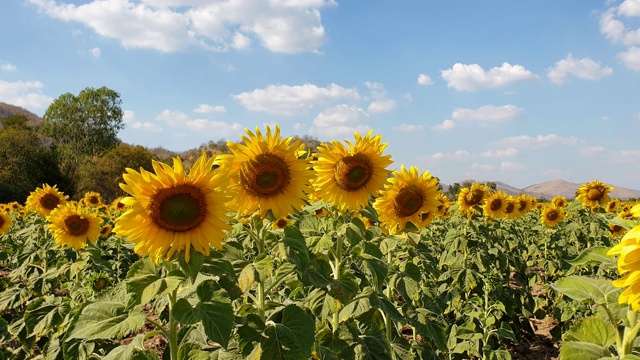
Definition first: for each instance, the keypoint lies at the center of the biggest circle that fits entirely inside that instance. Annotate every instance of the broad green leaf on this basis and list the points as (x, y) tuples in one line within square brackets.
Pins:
[(372, 348), (45, 313), (106, 320), (14, 297), (216, 315), (125, 352), (263, 266), (247, 277), (191, 268), (499, 355), (582, 288), (345, 288), (290, 335), (578, 350), (593, 330), (593, 255)]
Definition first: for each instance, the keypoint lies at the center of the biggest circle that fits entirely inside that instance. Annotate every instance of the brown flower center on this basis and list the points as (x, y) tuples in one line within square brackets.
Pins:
[(353, 172), (552, 215), (474, 197), (282, 223), (616, 228), (94, 200), (76, 225), (265, 176), (179, 208), (508, 209), (1, 221), (522, 205), (596, 193), (408, 201), (49, 201), (495, 204)]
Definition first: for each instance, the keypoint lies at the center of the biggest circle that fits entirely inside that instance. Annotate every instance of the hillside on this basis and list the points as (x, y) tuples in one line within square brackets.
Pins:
[(7, 110)]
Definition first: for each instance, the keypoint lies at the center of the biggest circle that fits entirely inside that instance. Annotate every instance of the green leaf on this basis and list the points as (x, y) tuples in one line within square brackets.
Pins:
[(506, 332), (345, 288), (578, 350), (247, 277), (593, 255), (290, 335), (264, 266), (582, 288), (44, 313), (106, 320), (297, 247), (216, 315), (123, 352), (191, 268), (593, 330)]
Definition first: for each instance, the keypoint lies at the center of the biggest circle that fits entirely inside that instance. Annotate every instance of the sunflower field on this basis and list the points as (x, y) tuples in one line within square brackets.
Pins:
[(276, 251)]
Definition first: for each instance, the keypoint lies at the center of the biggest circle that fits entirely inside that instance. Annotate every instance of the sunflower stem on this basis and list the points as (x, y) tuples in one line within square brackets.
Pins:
[(173, 326), (630, 333), (388, 322), (261, 293), (336, 276)]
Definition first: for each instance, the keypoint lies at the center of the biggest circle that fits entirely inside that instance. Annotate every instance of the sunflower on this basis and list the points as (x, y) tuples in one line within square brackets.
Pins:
[(552, 215), (14, 206), (511, 208), (495, 205), (266, 174), (613, 205), (524, 203), (470, 197), (72, 226), (105, 230), (559, 201), (348, 176), (406, 197), (92, 199), (118, 205), (616, 230), (594, 193), (45, 199), (629, 268), (170, 210), (5, 222), (280, 223), (445, 204)]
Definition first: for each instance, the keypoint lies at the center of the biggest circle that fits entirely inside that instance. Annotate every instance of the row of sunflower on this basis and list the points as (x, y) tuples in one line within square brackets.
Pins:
[(171, 212)]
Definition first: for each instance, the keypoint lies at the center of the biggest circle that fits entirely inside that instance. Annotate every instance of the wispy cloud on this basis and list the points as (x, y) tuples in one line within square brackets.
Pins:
[(524, 141), (590, 150), (409, 127), (339, 121), (584, 68), (381, 103), (472, 77), (631, 58), (5, 66), (207, 109), (447, 124), (129, 118), (487, 114), (456, 155), (181, 120), (500, 153), (26, 94)]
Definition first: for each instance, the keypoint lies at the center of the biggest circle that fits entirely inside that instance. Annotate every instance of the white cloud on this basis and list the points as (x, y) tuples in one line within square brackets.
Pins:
[(584, 68), (456, 155), (500, 153), (479, 168), (511, 166), (340, 120), (5, 66), (614, 29), (168, 26), (636, 116), (25, 94), (590, 150), (626, 156), (524, 141), (202, 126), (297, 126), (472, 77), (206, 109), (377, 107), (445, 125), (424, 79), (631, 58), (487, 114), (408, 97), (291, 100), (129, 117), (95, 52), (409, 127)]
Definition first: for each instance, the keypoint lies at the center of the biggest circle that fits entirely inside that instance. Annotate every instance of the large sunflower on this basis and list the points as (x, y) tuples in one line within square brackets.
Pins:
[(265, 174), (594, 193), (470, 197), (347, 176), (495, 204), (406, 197), (629, 268), (45, 199), (552, 215), (170, 210), (72, 226), (5, 222)]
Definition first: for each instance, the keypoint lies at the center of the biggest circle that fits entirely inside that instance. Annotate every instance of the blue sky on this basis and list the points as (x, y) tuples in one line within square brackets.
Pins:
[(515, 91)]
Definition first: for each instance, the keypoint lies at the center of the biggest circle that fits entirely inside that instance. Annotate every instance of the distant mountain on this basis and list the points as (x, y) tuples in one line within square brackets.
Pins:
[(7, 110), (550, 189)]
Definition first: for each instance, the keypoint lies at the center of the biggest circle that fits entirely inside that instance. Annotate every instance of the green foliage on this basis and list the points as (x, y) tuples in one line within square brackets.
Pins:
[(25, 163), (104, 172)]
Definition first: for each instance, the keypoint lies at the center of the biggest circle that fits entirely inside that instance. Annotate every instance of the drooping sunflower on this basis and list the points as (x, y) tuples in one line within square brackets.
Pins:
[(552, 215), (92, 199), (5, 222), (445, 204), (594, 193), (406, 196), (170, 211), (495, 205), (616, 230), (265, 174), (629, 268), (72, 226), (470, 197), (348, 176), (45, 199)]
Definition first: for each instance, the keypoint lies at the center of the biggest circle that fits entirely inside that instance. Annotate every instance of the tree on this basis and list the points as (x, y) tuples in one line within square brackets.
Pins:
[(15, 121), (104, 173), (83, 126), (453, 191), (25, 163)]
